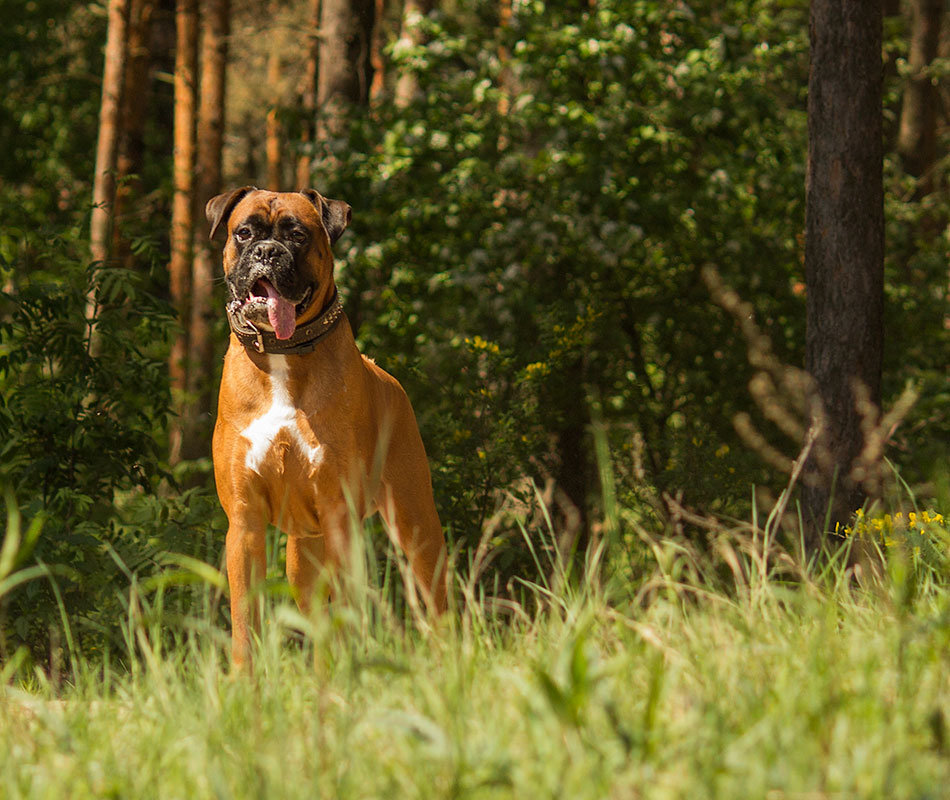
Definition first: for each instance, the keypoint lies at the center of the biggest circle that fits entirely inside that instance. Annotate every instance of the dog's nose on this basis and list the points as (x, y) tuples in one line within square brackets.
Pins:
[(268, 253)]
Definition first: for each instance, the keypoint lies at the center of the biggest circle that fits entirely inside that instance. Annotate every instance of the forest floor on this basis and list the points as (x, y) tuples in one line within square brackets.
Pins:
[(759, 683)]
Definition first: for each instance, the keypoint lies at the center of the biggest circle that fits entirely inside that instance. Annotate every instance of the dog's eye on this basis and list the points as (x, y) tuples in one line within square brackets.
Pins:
[(242, 234), (298, 236)]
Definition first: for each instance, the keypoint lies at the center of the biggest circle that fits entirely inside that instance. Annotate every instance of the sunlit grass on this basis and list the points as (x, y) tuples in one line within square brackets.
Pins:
[(682, 685)]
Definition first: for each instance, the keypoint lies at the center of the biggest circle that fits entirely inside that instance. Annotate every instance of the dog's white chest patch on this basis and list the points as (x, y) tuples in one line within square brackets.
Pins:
[(281, 415)]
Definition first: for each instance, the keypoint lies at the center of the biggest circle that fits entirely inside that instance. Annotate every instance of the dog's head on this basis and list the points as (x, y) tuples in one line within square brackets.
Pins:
[(278, 264)]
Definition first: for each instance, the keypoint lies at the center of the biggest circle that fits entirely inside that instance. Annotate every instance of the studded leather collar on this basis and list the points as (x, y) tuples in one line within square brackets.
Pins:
[(304, 339)]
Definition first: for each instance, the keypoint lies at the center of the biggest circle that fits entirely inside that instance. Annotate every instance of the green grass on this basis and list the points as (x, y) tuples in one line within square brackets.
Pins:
[(771, 683)]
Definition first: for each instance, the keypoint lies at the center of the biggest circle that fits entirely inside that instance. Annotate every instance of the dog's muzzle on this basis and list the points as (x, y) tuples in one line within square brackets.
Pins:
[(270, 255), (266, 288)]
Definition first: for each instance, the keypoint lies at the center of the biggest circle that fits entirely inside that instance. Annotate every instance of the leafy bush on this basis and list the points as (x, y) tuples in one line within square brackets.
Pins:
[(81, 441), (529, 235), (528, 238)]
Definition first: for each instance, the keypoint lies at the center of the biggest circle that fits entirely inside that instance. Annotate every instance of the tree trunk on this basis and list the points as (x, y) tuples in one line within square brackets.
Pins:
[(505, 78), (214, 55), (273, 135), (917, 135), (345, 70), (182, 227), (378, 42), (574, 478), (103, 188), (410, 37), (132, 123), (504, 56), (308, 99), (844, 246)]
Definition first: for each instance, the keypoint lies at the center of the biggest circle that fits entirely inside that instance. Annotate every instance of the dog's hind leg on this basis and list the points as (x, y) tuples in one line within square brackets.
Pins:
[(415, 527), (408, 509)]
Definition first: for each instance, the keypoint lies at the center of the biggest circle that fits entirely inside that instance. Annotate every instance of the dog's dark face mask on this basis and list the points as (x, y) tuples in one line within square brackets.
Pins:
[(268, 282), (277, 257)]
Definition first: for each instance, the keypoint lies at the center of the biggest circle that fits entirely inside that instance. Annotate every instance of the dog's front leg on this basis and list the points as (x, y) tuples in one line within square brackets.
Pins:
[(305, 557), (246, 556)]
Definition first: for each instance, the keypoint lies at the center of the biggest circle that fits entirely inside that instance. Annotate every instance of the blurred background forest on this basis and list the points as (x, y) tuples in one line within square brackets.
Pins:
[(536, 189)]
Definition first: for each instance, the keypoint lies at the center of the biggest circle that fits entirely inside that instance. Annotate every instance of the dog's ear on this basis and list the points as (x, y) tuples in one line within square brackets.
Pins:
[(219, 208), (336, 214)]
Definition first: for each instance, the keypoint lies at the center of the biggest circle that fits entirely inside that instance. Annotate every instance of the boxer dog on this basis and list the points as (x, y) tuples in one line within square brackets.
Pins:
[(309, 433)]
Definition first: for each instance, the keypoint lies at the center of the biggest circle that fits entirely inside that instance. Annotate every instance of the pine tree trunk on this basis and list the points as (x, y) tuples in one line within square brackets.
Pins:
[(345, 69), (274, 134), (844, 246), (505, 77), (917, 135), (410, 37), (378, 42), (215, 29), (182, 226), (308, 99), (103, 188), (504, 56)]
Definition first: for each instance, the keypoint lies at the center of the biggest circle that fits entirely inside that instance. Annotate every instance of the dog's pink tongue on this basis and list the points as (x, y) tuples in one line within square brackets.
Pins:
[(280, 313)]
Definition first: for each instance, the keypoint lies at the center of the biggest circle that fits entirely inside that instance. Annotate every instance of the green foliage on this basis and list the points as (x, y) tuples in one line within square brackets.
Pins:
[(701, 688), (17, 547), (81, 432), (528, 236), (917, 333), (81, 428), (527, 244), (50, 60)]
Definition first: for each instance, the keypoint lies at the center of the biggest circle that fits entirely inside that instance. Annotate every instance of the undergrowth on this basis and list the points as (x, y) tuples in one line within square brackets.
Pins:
[(728, 671)]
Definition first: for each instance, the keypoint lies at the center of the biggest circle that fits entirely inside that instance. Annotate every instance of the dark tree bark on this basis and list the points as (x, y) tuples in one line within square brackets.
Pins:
[(575, 474), (844, 245), (917, 135), (135, 99), (182, 225), (345, 69), (210, 140)]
